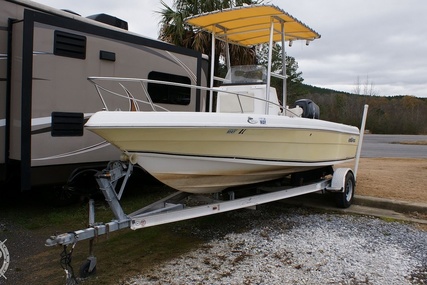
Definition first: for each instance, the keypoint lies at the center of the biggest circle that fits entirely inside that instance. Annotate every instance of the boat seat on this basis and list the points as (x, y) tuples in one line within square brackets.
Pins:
[(252, 99), (294, 112)]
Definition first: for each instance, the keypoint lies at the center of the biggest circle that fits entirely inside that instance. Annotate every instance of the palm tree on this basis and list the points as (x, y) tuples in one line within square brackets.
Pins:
[(175, 31)]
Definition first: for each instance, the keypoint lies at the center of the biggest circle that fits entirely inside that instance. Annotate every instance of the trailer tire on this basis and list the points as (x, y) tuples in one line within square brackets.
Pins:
[(345, 199), (84, 270)]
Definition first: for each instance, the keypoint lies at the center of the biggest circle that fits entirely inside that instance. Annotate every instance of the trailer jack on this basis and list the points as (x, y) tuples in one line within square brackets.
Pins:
[(108, 180)]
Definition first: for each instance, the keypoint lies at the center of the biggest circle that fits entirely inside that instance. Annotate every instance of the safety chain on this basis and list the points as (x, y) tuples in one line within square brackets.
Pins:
[(66, 265)]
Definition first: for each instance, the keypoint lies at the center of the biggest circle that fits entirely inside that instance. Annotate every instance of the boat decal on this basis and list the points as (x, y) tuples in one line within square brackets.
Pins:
[(263, 121), (234, 131), (252, 120), (75, 152)]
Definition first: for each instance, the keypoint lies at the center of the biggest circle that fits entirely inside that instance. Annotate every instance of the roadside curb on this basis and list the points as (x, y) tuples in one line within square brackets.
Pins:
[(363, 205), (389, 204)]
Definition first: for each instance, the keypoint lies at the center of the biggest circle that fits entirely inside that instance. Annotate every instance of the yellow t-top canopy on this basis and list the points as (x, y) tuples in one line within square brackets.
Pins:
[(250, 25)]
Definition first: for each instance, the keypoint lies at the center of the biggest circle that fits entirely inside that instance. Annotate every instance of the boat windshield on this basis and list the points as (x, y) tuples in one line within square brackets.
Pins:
[(247, 74)]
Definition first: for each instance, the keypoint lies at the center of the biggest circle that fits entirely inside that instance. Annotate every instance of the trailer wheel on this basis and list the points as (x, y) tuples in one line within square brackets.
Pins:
[(345, 199), (84, 269)]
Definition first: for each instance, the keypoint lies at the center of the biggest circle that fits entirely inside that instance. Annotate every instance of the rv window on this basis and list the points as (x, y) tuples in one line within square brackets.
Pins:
[(169, 94), (69, 45)]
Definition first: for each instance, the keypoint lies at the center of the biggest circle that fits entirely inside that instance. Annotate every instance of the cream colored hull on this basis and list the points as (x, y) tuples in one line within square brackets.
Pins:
[(208, 175), (222, 150)]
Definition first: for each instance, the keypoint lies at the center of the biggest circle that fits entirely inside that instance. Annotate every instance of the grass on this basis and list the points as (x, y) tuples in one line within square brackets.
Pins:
[(123, 254), (390, 220), (128, 253)]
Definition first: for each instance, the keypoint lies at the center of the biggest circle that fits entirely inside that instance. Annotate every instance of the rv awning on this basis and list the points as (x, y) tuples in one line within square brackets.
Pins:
[(250, 25)]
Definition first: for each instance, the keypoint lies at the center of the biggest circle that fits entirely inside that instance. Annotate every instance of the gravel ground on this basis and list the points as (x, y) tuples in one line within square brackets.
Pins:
[(303, 247)]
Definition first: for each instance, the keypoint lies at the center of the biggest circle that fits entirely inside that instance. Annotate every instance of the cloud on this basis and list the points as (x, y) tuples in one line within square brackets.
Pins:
[(385, 40)]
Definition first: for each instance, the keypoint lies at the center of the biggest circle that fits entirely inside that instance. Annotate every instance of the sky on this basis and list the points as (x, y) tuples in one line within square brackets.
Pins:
[(380, 44)]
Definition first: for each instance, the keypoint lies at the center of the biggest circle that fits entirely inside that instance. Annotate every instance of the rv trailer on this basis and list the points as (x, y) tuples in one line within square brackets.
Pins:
[(46, 56)]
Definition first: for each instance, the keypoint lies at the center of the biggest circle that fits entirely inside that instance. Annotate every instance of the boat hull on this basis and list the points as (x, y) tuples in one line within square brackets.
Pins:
[(195, 174), (208, 152)]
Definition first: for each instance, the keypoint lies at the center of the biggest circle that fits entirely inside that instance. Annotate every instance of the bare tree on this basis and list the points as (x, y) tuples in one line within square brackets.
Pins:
[(364, 88)]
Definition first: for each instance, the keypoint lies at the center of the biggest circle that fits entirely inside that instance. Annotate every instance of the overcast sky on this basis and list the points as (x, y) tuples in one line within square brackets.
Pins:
[(382, 42)]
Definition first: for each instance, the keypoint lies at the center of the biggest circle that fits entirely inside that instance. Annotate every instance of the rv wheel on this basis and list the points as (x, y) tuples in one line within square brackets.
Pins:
[(62, 196), (345, 199)]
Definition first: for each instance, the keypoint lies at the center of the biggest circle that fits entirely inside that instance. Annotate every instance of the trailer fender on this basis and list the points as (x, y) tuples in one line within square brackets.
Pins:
[(338, 180), (343, 185)]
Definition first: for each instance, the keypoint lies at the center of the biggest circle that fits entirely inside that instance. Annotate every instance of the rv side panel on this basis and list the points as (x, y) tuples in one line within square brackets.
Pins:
[(52, 56)]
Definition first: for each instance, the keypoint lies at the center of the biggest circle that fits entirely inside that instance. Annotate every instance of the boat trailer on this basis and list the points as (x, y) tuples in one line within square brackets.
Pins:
[(174, 208)]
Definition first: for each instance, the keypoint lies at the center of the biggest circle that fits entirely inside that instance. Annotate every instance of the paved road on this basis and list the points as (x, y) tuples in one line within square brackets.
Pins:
[(383, 146)]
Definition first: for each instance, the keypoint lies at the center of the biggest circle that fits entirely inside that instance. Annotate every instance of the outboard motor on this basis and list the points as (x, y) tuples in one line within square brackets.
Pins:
[(310, 109)]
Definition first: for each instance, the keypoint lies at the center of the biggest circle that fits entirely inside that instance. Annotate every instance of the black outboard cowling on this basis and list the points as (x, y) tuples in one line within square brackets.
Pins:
[(110, 20), (310, 109)]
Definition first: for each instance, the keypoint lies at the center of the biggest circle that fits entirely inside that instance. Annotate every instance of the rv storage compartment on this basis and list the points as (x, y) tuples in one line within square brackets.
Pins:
[(310, 109)]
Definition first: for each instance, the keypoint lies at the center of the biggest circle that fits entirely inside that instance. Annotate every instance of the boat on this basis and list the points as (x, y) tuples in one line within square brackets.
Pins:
[(245, 135)]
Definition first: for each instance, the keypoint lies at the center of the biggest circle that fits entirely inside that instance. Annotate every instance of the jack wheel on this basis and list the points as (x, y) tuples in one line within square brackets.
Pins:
[(345, 199), (84, 269)]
